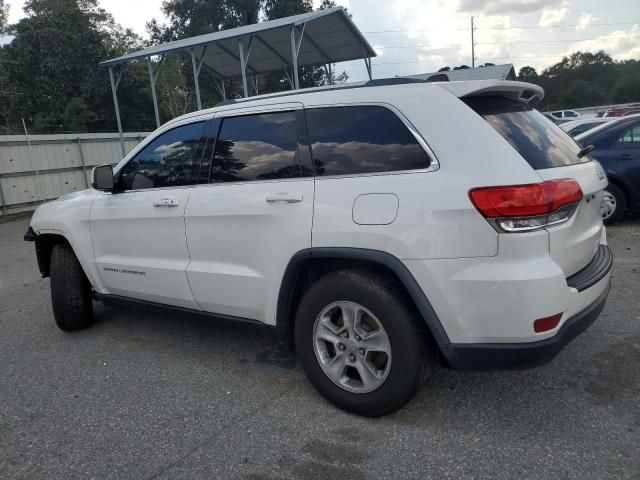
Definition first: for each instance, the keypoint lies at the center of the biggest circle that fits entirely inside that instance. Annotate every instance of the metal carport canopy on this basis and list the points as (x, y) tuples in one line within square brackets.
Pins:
[(322, 37)]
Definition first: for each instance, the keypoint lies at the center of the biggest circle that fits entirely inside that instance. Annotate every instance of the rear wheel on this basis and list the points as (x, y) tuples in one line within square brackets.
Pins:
[(360, 343), (612, 205), (70, 290)]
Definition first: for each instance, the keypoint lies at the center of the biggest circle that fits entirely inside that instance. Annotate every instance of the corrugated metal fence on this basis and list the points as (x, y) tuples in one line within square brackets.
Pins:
[(43, 167)]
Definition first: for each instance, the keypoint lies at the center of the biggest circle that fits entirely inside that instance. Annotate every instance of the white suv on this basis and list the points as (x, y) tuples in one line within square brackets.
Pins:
[(380, 227)]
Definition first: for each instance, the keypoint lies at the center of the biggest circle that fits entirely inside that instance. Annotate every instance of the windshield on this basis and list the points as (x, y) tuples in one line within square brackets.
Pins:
[(540, 142)]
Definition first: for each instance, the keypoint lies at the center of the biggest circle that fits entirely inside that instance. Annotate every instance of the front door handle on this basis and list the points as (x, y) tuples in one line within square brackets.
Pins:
[(627, 155), (284, 197), (165, 203)]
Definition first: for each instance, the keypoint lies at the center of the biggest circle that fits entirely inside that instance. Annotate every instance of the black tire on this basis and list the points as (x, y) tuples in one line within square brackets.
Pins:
[(70, 290), (411, 352), (621, 204)]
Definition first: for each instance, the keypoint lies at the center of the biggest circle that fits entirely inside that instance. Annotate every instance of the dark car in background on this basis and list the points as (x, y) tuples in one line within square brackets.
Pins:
[(616, 145)]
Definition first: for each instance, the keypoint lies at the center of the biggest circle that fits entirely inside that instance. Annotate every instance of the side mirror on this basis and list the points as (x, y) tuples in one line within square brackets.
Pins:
[(102, 178)]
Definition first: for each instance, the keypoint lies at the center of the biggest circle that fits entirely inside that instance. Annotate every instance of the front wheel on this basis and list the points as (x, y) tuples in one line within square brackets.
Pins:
[(70, 290), (612, 204), (360, 343)]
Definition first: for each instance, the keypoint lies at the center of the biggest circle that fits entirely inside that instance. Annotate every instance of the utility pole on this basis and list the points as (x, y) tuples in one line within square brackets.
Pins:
[(473, 45)]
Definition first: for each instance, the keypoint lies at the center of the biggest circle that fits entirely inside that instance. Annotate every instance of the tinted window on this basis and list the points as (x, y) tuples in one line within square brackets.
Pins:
[(631, 136), (168, 161), (540, 142), (257, 147), (582, 128), (367, 139), (570, 114)]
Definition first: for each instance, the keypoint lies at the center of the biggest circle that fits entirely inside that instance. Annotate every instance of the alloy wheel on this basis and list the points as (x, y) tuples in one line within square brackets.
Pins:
[(352, 347)]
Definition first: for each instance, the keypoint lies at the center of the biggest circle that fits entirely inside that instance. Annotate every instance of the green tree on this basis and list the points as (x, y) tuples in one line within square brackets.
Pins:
[(53, 60), (585, 79), (528, 74)]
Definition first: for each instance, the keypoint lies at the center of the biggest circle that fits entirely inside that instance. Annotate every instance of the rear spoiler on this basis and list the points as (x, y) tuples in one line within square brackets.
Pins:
[(527, 93)]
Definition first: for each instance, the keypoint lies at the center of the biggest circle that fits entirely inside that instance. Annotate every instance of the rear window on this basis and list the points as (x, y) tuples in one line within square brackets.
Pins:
[(540, 142)]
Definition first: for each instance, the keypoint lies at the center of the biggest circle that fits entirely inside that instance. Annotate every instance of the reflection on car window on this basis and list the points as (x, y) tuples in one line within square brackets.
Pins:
[(537, 139), (582, 128), (257, 147), (168, 161), (631, 136), (363, 139)]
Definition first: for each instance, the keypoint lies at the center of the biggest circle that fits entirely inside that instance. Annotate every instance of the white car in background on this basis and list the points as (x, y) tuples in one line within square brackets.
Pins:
[(377, 236), (576, 127), (565, 115)]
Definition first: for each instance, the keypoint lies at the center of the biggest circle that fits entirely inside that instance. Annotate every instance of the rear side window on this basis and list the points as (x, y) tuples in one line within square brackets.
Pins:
[(361, 139), (540, 142), (170, 160), (256, 147), (631, 136)]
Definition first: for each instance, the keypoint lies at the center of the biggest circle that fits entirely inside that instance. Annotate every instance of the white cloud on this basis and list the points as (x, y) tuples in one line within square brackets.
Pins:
[(584, 21), (441, 34), (552, 16), (619, 44), (379, 49), (502, 7)]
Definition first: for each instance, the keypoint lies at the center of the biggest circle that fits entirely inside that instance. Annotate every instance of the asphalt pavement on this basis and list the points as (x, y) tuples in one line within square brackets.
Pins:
[(144, 394)]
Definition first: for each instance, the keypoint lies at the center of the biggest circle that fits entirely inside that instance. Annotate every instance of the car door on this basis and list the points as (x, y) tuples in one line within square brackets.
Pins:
[(254, 215), (138, 231), (625, 154)]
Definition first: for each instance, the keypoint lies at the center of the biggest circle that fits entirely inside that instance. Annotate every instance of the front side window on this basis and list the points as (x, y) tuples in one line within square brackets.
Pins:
[(362, 139), (582, 128), (631, 136), (170, 160), (257, 147)]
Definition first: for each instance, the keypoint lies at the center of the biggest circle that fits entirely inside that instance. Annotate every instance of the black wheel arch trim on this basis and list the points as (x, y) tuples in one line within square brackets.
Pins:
[(384, 259)]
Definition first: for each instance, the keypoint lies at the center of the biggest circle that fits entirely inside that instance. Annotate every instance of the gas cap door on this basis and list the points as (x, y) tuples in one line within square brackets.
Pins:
[(375, 208)]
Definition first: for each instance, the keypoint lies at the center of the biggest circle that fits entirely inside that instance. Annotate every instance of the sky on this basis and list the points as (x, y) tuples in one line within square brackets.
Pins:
[(420, 36)]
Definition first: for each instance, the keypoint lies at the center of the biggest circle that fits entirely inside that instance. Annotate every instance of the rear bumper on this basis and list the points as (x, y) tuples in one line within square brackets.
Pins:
[(480, 356)]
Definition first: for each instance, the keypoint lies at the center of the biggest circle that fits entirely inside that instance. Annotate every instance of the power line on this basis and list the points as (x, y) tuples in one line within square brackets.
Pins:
[(500, 28), (459, 59)]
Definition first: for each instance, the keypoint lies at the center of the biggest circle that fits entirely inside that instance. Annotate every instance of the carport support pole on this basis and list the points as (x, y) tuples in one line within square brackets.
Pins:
[(294, 58), (152, 78), (194, 65), (114, 87), (243, 67), (367, 63)]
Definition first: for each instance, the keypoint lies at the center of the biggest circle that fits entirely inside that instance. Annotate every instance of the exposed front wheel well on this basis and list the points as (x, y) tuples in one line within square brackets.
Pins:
[(44, 247), (308, 266)]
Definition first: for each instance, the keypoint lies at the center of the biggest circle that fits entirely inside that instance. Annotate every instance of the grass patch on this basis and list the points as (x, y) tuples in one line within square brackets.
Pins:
[(15, 216)]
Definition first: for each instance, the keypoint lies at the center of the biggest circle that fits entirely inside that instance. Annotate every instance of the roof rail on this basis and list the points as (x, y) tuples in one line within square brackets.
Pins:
[(378, 82)]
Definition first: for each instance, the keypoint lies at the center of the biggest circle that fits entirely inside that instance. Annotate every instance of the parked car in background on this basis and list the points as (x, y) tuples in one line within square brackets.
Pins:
[(622, 112), (616, 145), (565, 115), (576, 127)]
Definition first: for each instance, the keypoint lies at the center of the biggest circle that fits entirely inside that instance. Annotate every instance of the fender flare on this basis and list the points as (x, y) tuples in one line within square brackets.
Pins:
[(384, 259)]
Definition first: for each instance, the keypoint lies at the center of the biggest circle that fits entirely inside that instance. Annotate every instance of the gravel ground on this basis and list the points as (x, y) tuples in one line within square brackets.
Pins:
[(145, 394)]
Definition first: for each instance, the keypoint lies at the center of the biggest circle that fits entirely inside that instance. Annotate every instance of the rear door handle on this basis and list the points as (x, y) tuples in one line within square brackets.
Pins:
[(627, 155), (284, 197), (165, 203)]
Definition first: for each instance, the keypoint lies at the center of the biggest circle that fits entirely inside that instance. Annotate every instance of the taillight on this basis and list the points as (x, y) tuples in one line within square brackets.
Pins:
[(520, 208)]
